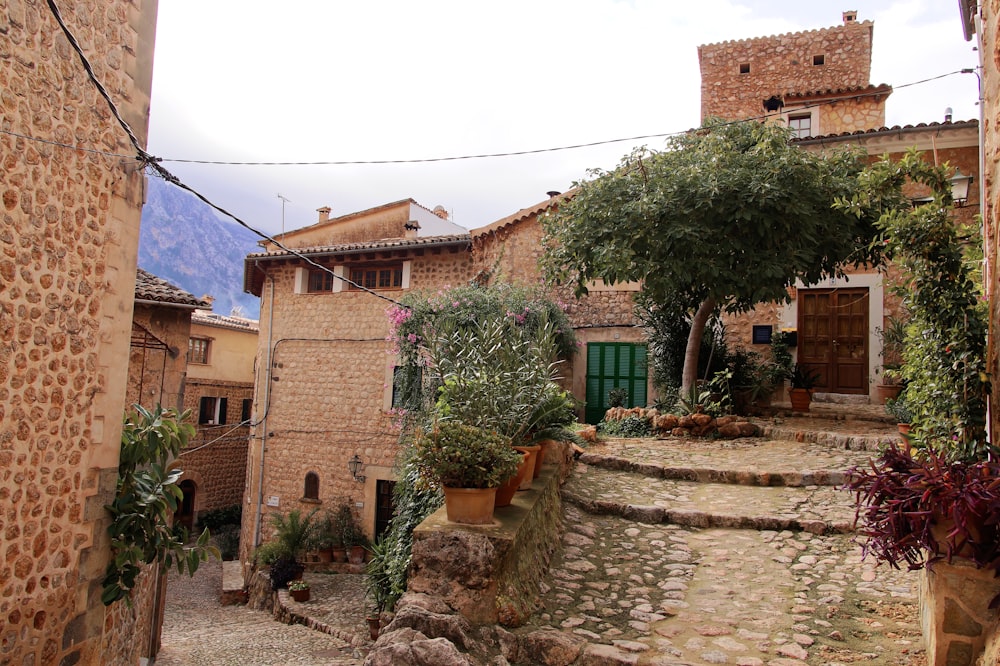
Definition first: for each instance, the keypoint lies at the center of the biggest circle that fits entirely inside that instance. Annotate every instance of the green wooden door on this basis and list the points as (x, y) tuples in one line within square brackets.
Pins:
[(614, 365)]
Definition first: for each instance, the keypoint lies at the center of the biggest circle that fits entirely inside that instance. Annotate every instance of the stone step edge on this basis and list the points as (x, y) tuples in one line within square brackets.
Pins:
[(709, 475), (654, 515), (286, 610), (835, 440)]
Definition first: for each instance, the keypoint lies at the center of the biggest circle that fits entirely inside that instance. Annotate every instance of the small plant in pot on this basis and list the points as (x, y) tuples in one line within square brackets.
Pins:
[(293, 533), (900, 409), (469, 463), (803, 381), (299, 590)]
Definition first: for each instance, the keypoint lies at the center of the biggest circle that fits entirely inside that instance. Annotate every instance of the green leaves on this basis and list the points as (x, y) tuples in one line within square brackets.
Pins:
[(146, 498)]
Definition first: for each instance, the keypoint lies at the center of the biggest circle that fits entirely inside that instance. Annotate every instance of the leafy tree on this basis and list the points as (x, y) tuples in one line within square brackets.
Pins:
[(146, 497), (729, 216)]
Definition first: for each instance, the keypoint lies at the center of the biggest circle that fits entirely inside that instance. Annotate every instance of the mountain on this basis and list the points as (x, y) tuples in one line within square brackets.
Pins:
[(184, 241)]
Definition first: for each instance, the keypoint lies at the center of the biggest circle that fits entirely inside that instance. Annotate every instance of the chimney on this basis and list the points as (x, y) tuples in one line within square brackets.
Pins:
[(553, 194), (441, 212), (850, 17), (947, 114), (324, 213), (412, 228)]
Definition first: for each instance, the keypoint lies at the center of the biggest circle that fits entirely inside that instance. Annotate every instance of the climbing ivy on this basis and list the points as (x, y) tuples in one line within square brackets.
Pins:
[(146, 497)]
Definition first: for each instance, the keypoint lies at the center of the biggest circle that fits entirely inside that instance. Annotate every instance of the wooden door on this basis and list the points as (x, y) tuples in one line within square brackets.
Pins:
[(613, 365), (833, 338)]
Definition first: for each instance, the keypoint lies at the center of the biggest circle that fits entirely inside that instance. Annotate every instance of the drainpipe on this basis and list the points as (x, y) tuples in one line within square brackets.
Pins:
[(266, 401)]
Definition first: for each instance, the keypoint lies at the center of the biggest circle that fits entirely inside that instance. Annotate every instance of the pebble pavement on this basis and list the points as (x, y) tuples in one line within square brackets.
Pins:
[(657, 592)]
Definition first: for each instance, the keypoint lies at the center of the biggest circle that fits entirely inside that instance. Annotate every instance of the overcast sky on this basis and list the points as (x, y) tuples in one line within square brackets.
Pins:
[(331, 80)]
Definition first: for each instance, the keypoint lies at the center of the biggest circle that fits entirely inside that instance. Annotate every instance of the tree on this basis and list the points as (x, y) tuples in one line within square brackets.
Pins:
[(729, 216)]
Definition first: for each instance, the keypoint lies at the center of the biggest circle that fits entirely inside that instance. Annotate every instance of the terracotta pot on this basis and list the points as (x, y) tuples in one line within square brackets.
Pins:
[(546, 445), (339, 554), (356, 555), (884, 392), (800, 399), (532, 452), (373, 627), (325, 555), (904, 430), (299, 595), (470, 506), (505, 493)]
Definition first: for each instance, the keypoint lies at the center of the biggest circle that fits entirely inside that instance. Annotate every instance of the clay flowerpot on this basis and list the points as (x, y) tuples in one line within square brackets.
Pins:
[(533, 453), (299, 595), (356, 555), (339, 554), (800, 399), (324, 555), (887, 391), (546, 445), (505, 493), (470, 506)]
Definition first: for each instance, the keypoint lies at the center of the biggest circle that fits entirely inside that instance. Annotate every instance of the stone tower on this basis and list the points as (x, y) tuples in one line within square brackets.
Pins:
[(817, 81)]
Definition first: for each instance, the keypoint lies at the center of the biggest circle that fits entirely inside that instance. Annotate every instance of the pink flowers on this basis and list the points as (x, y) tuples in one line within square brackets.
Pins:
[(412, 338)]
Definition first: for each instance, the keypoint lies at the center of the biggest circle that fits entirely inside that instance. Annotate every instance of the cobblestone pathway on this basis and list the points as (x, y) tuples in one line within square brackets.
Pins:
[(198, 631), (743, 556)]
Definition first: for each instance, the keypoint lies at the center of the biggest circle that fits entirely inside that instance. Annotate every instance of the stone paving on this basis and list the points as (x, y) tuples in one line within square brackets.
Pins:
[(681, 587), (198, 631)]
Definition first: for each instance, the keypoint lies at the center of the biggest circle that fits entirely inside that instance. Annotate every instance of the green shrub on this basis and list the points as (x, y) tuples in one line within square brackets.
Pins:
[(227, 540), (630, 426), (216, 518)]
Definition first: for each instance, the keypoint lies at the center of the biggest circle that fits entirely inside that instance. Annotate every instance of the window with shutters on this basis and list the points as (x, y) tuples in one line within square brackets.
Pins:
[(612, 365), (212, 411), (380, 276)]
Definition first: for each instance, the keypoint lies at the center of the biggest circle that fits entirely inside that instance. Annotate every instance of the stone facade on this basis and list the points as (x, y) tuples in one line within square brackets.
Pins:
[(215, 459), (737, 76), (68, 238)]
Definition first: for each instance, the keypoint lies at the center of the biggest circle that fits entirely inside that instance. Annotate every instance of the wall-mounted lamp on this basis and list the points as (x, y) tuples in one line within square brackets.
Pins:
[(960, 187), (355, 466)]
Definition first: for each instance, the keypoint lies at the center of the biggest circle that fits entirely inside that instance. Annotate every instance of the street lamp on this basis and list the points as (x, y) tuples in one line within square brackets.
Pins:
[(960, 187), (355, 465)]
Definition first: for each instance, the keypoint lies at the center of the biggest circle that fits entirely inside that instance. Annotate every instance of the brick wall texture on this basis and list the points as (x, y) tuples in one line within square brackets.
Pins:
[(782, 64), (68, 236)]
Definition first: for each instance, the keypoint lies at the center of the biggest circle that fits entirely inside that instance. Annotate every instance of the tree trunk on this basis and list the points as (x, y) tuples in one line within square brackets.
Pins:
[(690, 374)]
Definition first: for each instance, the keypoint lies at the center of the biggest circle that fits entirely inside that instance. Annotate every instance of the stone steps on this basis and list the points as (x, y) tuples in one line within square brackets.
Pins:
[(818, 509)]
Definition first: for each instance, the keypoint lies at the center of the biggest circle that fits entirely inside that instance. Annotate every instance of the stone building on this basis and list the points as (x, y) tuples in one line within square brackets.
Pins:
[(68, 243), (219, 392), (324, 368), (816, 81)]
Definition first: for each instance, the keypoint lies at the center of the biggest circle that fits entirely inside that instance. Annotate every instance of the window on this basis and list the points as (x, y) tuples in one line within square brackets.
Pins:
[(212, 411), (744, 68), (246, 410), (377, 277), (407, 382), (311, 490), (819, 60), (801, 125), (198, 350), (320, 281)]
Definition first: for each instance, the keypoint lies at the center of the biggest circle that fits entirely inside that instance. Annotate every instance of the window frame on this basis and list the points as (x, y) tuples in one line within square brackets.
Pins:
[(359, 274), (797, 131), (205, 357), (323, 278), (212, 410)]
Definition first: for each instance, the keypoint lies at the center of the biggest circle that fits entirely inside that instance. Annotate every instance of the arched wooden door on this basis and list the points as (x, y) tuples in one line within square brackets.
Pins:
[(833, 338)]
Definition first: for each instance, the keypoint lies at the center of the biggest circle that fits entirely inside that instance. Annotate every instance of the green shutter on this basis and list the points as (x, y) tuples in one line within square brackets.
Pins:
[(614, 365)]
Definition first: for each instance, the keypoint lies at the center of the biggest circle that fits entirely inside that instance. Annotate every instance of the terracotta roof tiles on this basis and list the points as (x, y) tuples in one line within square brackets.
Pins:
[(148, 287)]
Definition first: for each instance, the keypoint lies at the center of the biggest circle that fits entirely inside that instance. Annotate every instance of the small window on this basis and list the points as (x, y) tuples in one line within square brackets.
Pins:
[(801, 125), (320, 281), (246, 410), (198, 350), (377, 277), (212, 411), (819, 60), (744, 68), (311, 490)]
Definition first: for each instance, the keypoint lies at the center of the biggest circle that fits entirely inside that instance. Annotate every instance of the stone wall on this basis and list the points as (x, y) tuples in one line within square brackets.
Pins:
[(68, 237), (989, 50), (156, 376), (782, 64), (216, 457)]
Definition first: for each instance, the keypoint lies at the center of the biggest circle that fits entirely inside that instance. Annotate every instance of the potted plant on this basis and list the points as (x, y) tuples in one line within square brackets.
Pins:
[(892, 338), (551, 421), (379, 584), (900, 409), (470, 464), (293, 533), (349, 539), (299, 590), (803, 381)]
